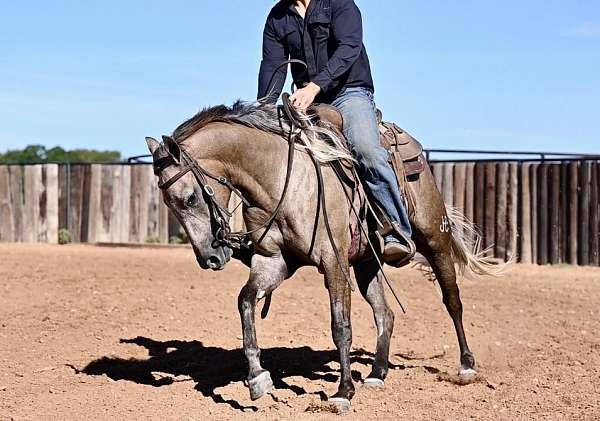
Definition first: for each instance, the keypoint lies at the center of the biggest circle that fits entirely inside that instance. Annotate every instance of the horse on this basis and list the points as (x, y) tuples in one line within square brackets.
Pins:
[(242, 150)]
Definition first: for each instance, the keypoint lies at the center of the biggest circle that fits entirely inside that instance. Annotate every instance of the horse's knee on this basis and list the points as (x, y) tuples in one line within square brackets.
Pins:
[(247, 297)]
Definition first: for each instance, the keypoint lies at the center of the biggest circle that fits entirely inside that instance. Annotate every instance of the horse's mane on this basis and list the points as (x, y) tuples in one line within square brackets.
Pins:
[(325, 143)]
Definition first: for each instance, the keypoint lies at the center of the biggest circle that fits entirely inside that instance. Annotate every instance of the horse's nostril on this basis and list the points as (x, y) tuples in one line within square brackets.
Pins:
[(214, 262)]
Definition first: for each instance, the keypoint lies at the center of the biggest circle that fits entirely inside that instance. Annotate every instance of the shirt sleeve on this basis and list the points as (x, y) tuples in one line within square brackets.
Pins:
[(347, 30), (274, 53)]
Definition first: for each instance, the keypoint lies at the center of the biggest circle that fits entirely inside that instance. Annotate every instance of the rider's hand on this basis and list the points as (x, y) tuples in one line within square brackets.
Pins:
[(304, 97)]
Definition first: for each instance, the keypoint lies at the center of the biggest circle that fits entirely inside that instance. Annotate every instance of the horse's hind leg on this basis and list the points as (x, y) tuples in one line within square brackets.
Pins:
[(433, 237), (266, 274), (368, 276), (443, 267)]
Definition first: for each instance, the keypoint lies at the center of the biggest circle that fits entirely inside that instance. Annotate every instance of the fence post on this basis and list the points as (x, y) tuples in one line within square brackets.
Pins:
[(512, 211), (526, 202)]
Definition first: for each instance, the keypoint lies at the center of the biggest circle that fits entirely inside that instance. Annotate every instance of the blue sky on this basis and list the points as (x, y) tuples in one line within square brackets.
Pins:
[(480, 74)]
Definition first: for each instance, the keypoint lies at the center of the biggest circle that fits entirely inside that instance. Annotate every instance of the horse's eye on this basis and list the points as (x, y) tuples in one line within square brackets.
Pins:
[(191, 200)]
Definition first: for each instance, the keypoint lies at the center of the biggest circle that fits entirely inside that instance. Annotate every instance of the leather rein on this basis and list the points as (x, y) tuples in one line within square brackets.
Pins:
[(220, 215)]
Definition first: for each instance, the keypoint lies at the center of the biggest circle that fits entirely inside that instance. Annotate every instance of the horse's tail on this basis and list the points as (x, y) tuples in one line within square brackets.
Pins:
[(467, 252)]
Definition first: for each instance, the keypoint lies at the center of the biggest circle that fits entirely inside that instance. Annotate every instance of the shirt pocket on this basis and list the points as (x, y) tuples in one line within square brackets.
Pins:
[(290, 37), (320, 27)]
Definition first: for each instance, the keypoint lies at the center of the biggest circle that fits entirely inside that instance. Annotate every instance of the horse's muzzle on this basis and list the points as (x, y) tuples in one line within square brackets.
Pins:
[(216, 259)]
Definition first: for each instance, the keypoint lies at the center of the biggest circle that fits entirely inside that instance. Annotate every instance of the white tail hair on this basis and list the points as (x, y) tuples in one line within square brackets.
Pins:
[(472, 260)]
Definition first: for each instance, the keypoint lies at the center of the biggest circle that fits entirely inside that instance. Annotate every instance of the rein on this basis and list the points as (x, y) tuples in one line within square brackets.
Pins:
[(220, 215)]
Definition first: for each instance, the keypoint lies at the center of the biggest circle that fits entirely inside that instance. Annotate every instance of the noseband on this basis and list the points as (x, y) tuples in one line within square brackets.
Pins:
[(219, 214)]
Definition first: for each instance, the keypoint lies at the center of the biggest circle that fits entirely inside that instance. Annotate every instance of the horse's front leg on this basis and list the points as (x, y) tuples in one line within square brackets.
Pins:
[(266, 274), (341, 327)]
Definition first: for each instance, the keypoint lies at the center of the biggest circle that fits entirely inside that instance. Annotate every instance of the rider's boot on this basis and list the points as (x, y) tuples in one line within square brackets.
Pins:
[(399, 248)]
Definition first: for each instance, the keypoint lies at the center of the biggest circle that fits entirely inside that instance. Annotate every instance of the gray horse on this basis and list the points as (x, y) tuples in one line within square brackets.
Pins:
[(245, 145)]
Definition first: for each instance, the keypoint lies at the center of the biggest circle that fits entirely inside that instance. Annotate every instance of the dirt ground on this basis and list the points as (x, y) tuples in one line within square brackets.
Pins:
[(114, 333)]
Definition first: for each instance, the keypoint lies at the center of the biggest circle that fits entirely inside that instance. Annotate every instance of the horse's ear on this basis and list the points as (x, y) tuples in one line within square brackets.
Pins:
[(173, 148), (153, 144)]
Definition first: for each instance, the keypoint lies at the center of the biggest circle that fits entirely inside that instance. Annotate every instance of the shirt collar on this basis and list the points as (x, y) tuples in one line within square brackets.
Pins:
[(311, 7)]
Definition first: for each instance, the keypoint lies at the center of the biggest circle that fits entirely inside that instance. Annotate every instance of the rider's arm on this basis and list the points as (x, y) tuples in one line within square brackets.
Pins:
[(347, 31), (274, 53)]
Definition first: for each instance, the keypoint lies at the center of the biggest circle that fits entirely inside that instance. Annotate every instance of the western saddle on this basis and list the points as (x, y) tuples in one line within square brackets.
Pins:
[(405, 157)]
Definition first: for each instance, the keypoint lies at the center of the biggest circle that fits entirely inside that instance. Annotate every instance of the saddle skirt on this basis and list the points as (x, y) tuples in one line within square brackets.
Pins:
[(405, 157)]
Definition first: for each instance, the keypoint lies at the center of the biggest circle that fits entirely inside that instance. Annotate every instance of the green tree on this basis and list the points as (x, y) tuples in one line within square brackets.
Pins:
[(39, 154)]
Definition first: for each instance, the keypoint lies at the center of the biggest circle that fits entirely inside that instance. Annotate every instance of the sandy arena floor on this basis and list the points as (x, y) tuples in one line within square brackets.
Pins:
[(105, 333)]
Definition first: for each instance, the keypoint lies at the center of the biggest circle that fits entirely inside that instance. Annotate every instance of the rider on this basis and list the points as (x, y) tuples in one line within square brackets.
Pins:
[(328, 36)]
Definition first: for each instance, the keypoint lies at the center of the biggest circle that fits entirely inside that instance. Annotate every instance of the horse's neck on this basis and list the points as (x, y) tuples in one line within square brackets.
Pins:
[(254, 161)]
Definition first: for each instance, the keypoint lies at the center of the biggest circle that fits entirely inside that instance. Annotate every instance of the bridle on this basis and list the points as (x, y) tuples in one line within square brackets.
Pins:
[(219, 214)]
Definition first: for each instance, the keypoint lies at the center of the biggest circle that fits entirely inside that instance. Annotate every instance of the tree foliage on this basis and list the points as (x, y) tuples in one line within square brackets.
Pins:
[(40, 154)]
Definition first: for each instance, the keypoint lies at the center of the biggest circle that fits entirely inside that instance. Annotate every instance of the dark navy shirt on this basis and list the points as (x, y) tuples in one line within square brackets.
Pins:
[(329, 39)]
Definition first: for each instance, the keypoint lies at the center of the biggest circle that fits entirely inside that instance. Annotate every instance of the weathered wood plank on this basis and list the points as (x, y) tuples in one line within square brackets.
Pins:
[(584, 213), (448, 184), (17, 180), (564, 212), (7, 228), (501, 209), (76, 201), (479, 199), (33, 187), (124, 205), (163, 221), (490, 206), (95, 200), (154, 199), (63, 201), (85, 203), (595, 216), (438, 175), (543, 224), (533, 179), (460, 184), (526, 252), (459, 187), (554, 213), (51, 202), (512, 212), (107, 217), (135, 232), (469, 204), (573, 213), (140, 195)]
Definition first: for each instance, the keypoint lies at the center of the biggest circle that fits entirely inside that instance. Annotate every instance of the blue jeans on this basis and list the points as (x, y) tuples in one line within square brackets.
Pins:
[(357, 106)]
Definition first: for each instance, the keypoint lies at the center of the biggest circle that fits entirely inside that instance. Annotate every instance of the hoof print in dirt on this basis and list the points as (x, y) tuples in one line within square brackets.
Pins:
[(332, 406), (375, 384), (460, 379)]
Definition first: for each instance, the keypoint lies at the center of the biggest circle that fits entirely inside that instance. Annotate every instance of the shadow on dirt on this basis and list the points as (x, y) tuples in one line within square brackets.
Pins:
[(213, 367)]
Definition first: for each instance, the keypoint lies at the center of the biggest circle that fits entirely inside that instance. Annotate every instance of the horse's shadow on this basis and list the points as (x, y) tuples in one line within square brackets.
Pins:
[(214, 367)]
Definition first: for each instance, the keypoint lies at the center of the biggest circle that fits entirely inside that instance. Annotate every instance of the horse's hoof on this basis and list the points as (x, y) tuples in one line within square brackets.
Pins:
[(260, 385), (342, 404), (373, 383), (467, 375)]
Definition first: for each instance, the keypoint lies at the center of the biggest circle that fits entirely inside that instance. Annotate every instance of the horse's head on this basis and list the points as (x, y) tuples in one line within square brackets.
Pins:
[(188, 201)]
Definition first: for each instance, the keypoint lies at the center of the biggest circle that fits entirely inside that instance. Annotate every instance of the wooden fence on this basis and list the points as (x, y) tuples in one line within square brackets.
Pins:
[(538, 212)]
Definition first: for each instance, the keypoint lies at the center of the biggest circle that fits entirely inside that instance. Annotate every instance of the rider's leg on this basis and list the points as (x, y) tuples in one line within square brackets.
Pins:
[(360, 128)]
